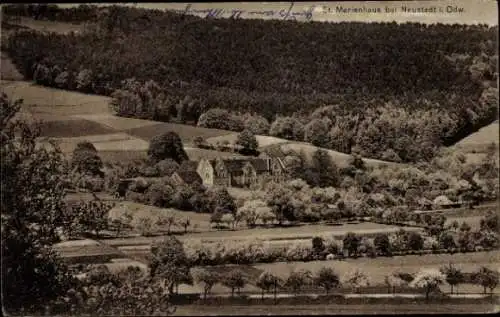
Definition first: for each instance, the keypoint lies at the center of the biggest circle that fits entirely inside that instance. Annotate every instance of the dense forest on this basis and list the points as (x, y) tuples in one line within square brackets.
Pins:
[(384, 90)]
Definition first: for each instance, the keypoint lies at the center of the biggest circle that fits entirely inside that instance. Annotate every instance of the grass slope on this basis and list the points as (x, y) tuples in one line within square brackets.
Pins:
[(478, 142), (8, 70), (341, 159), (187, 133)]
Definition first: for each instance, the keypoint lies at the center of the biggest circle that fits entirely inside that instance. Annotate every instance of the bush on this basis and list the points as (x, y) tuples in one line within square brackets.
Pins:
[(318, 245)]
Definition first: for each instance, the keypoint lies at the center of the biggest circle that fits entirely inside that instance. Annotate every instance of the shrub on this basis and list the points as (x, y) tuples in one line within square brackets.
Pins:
[(318, 245)]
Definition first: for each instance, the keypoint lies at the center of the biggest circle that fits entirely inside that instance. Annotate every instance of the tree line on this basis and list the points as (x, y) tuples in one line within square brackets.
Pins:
[(442, 88)]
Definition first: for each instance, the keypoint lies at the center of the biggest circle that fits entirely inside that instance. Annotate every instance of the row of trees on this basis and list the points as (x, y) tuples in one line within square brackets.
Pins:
[(452, 96)]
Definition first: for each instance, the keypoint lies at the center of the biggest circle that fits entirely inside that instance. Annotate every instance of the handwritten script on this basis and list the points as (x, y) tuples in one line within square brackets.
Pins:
[(285, 14)]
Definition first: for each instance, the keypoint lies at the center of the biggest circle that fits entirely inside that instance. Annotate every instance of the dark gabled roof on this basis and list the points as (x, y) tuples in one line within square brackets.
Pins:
[(189, 165), (236, 165), (189, 177), (260, 165)]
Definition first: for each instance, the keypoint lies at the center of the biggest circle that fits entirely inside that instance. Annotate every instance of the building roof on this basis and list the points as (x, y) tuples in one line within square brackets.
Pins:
[(189, 165), (236, 165), (189, 177)]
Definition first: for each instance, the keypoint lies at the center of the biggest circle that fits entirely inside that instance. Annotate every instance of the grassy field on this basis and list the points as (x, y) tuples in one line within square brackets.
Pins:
[(196, 154), (122, 156), (378, 268), (186, 133), (117, 142), (199, 221), (71, 128), (58, 101), (479, 141), (8, 71), (261, 139), (280, 235), (262, 310), (341, 159), (47, 26), (473, 221), (117, 123)]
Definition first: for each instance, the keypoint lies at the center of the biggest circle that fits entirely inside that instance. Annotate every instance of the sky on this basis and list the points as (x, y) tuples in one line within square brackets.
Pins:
[(473, 11)]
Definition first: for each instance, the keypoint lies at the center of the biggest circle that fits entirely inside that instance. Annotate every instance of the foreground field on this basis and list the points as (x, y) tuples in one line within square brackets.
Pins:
[(378, 268), (233, 310)]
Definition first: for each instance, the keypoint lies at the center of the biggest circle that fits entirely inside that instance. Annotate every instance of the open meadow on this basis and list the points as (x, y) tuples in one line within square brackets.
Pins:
[(341, 159), (478, 142)]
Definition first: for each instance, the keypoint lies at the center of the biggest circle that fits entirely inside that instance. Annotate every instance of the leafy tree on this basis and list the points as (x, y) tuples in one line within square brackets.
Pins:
[(490, 222), (167, 167), (356, 279), (166, 219), (415, 241), (268, 281), (327, 279), (160, 194), (169, 262), (318, 245), (186, 223), (84, 80), (288, 128), (122, 222), (86, 159), (167, 146), (298, 279), (351, 243), (278, 198), (234, 280), (323, 171), (207, 278), (33, 208), (487, 278), (316, 132), (392, 281), (429, 280), (216, 217), (94, 215), (454, 276), (382, 244), (228, 219), (247, 140), (220, 199), (446, 241), (145, 225), (257, 125), (218, 118)]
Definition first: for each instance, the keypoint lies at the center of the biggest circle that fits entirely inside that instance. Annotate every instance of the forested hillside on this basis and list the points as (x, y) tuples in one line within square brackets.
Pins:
[(384, 90)]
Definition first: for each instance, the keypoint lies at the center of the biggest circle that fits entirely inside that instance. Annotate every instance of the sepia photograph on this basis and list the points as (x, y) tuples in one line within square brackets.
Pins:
[(250, 158)]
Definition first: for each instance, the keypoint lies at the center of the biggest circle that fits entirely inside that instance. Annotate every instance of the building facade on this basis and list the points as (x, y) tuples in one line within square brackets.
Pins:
[(240, 172)]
